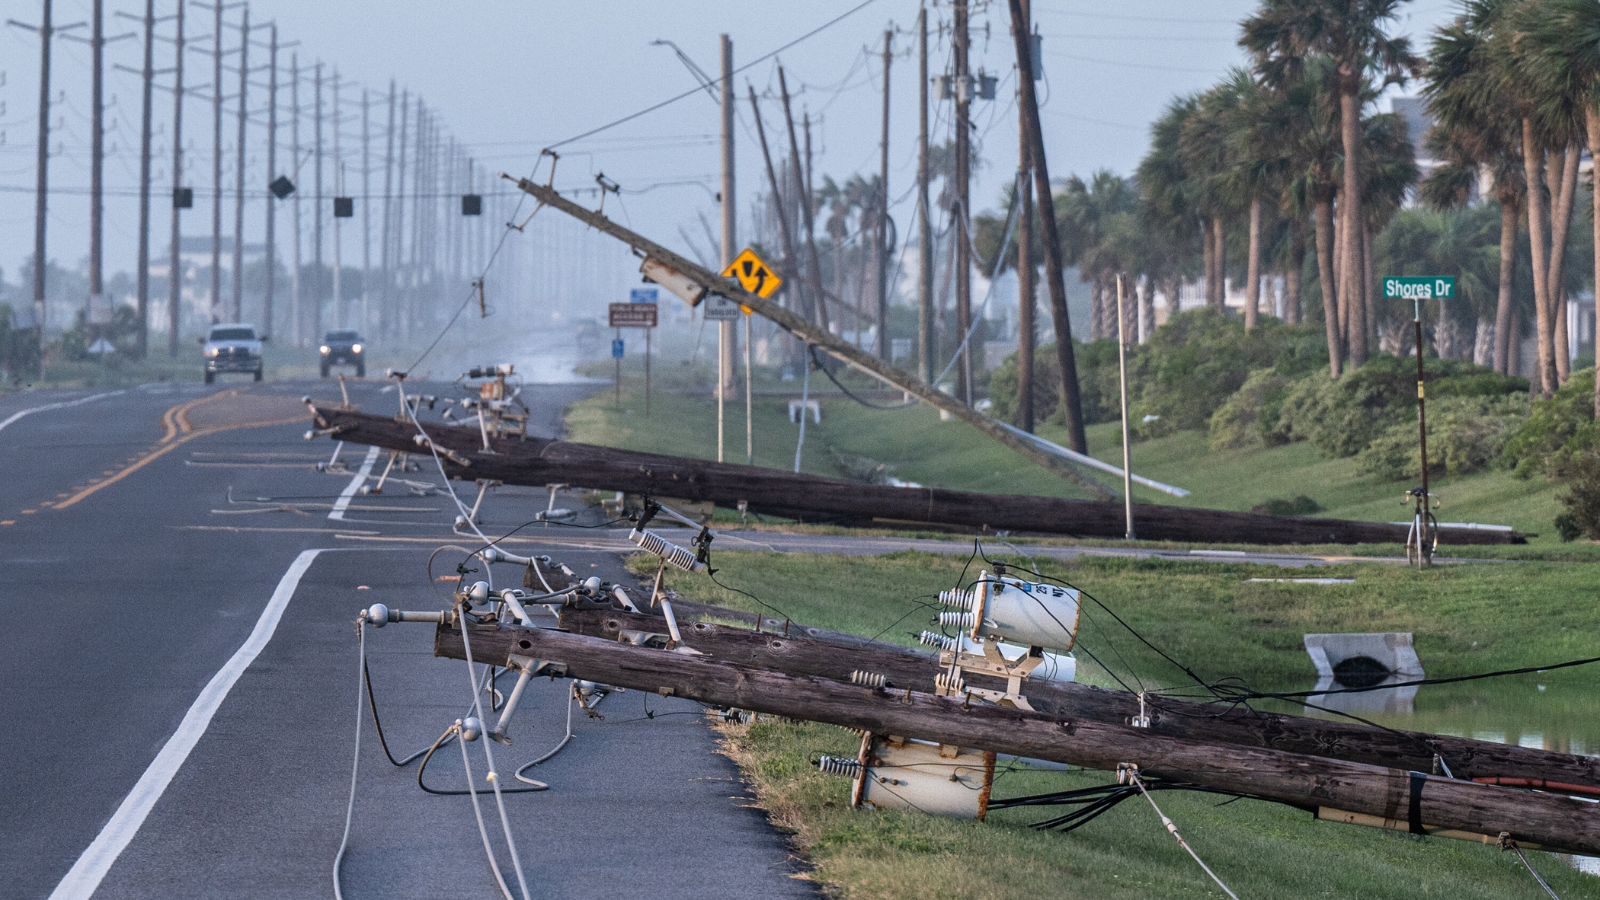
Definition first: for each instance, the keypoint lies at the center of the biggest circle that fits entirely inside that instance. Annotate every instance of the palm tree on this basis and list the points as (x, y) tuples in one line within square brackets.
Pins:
[(1563, 54), (1092, 237), (1169, 200), (1476, 128), (1282, 36), (1205, 146), (1256, 162)]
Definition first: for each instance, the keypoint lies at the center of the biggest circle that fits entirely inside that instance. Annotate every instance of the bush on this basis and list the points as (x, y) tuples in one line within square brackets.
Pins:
[(1004, 390), (1582, 500), (1300, 505), (1465, 435), (1343, 417), (1249, 418), (1558, 431)]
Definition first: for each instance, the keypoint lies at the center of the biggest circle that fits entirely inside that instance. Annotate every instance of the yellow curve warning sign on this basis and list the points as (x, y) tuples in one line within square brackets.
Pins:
[(753, 274)]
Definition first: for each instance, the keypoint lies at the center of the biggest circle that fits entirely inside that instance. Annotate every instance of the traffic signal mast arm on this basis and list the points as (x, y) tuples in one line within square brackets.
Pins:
[(711, 283)]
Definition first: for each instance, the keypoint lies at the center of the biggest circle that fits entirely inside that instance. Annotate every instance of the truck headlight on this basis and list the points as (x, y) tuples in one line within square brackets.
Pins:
[(355, 348), (210, 352), (324, 349)]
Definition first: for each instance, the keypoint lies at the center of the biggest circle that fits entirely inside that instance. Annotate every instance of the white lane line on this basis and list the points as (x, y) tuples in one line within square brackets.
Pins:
[(355, 484), (86, 874), (48, 406)]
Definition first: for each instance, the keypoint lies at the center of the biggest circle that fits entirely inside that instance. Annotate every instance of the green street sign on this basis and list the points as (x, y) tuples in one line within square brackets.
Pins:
[(1425, 287)]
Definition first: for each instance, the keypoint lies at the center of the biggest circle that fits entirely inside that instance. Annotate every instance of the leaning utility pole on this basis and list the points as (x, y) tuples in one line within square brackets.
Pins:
[(1027, 330), (807, 214), (238, 174), (175, 269), (316, 217), (925, 344), (1073, 412), (962, 85), (725, 333), (881, 254), (143, 274)]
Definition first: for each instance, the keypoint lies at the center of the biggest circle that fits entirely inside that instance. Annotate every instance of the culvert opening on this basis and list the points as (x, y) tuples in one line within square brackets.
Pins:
[(1360, 671)]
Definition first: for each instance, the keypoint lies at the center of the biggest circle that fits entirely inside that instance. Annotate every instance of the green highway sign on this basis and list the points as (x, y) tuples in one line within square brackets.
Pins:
[(1425, 287)]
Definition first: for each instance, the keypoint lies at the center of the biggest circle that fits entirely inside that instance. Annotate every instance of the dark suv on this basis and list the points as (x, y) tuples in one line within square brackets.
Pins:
[(344, 348), (232, 348)]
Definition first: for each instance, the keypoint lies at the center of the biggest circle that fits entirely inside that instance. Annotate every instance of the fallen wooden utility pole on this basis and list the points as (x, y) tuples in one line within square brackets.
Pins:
[(537, 462), (793, 649), (1332, 788), (673, 270)]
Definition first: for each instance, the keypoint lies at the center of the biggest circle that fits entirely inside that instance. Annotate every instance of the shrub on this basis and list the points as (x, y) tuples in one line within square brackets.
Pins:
[(1343, 417), (1249, 418), (1582, 500), (1300, 505), (1558, 430), (1004, 389), (1465, 435)]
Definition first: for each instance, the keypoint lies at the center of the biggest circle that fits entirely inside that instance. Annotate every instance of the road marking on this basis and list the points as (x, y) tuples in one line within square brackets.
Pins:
[(8, 522), (86, 874), (49, 406), (161, 450), (360, 478)]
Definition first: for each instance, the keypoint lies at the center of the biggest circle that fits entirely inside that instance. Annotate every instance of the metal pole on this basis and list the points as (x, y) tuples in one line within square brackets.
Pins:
[(647, 332), (924, 228), (216, 166), (725, 333), (143, 273), (42, 187), (881, 253), (97, 161), (272, 169), (1122, 376), (238, 174), (749, 415), (175, 269), (1422, 418), (618, 383)]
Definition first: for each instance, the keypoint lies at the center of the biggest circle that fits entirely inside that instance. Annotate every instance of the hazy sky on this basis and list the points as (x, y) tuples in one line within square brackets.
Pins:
[(512, 77)]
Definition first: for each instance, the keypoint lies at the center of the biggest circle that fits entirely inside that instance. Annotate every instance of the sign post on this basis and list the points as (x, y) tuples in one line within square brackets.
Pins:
[(755, 276), (639, 312), (1418, 289)]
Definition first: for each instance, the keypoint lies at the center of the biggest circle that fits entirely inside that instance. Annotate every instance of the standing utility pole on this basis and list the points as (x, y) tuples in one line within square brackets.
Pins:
[(216, 165), (238, 175), (175, 269), (316, 216), (366, 206), (1027, 330), (925, 345), (1071, 400), (398, 308), (272, 170), (42, 185), (143, 274), (97, 152), (296, 310), (882, 250), (725, 332), (386, 258), (338, 191), (962, 84)]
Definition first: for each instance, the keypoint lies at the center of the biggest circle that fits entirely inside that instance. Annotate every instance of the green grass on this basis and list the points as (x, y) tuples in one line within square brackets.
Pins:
[(921, 448), (1466, 618)]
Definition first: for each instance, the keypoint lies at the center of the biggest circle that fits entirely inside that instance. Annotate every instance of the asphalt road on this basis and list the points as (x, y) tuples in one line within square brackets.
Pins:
[(180, 675)]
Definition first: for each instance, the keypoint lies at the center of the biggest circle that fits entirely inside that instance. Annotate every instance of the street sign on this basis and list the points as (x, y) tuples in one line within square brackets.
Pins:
[(616, 348), (1426, 287), (753, 274), (632, 315), (644, 295), (720, 309)]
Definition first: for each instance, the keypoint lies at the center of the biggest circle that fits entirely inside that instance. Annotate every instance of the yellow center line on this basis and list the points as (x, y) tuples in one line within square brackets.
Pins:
[(8, 521), (161, 450)]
